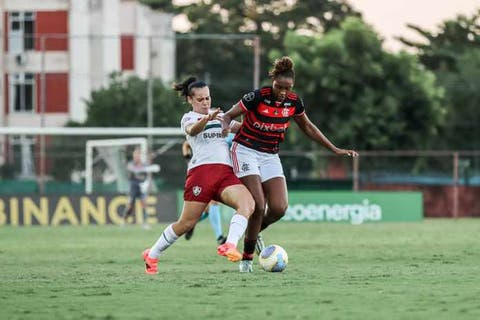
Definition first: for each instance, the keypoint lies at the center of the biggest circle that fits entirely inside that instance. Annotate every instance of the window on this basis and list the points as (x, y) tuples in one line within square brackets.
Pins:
[(21, 31), (22, 92)]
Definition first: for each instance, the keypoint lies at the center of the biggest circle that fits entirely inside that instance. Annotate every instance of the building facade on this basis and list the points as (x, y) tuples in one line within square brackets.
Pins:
[(55, 52)]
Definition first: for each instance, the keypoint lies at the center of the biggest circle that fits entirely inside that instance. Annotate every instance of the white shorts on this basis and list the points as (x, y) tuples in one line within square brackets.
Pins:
[(248, 162)]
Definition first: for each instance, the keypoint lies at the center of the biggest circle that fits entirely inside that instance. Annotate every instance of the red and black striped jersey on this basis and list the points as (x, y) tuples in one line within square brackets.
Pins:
[(266, 120)]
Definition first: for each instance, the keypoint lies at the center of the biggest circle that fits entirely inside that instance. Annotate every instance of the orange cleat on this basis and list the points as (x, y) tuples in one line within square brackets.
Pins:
[(151, 264), (230, 251)]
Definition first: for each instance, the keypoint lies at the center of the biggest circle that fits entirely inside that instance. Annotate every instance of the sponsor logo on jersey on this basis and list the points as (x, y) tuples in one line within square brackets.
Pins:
[(285, 112), (212, 135), (249, 96), (269, 127), (196, 190)]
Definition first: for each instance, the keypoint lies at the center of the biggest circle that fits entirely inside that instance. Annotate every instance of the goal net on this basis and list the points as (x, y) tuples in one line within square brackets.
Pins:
[(106, 162)]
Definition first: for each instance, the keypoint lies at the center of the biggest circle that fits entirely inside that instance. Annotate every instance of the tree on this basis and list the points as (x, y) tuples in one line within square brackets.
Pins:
[(228, 64), (453, 54), (362, 96), (124, 104)]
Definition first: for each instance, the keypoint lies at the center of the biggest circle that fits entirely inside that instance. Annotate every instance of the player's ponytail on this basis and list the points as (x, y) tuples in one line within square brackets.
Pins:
[(185, 88), (282, 67)]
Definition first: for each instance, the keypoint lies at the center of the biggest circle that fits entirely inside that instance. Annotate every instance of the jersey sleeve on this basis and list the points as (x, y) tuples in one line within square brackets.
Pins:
[(250, 100), (299, 107), (187, 120)]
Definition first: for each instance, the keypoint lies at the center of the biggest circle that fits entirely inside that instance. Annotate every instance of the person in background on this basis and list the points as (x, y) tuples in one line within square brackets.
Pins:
[(138, 176)]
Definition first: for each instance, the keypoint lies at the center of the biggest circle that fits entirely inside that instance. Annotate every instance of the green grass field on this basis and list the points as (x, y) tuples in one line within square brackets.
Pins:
[(428, 270)]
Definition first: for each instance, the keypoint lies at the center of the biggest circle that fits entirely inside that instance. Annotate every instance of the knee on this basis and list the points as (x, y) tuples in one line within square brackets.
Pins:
[(247, 208), (278, 209), (183, 226)]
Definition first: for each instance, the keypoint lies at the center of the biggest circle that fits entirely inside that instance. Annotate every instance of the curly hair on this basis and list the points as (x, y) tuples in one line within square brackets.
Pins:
[(188, 85), (282, 67)]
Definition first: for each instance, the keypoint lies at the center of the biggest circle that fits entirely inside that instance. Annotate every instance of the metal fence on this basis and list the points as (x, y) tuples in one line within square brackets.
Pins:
[(449, 180)]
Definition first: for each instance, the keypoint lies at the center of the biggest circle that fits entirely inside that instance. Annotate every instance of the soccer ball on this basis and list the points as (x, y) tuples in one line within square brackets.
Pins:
[(273, 258)]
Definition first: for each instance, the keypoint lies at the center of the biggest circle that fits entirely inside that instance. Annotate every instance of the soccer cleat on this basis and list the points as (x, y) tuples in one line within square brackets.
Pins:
[(230, 251), (189, 234), (151, 264), (245, 266), (221, 239), (259, 245)]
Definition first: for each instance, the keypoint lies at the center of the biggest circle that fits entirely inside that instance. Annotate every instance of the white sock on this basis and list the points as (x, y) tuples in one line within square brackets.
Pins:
[(167, 238), (238, 225)]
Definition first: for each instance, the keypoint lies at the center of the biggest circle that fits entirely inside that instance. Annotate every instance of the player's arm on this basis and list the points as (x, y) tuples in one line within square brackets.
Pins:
[(131, 167), (198, 126), (315, 134), (235, 111), (186, 150), (235, 126)]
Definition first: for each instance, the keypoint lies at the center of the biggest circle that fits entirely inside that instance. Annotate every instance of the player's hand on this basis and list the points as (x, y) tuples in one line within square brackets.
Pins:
[(215, 115), (345, 152)]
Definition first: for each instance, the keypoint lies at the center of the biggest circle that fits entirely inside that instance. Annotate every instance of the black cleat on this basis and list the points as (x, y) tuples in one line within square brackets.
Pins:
[(189, 234), (221, 239)]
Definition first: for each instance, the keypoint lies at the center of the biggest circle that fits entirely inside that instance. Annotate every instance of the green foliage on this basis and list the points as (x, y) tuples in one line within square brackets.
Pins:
[(453, 54), (164, 5), (362, 96), (124, 104), (228, 64), (463, 100)]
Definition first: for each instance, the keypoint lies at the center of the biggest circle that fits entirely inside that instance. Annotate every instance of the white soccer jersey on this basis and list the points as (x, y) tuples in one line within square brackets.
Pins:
[(209, 146)]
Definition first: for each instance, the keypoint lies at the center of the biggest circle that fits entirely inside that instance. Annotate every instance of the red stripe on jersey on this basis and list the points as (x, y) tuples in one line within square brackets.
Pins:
[(243, 106), (292, 96), (265, 91), (274, 112), (234, 157), (256, 138), (244, 142), (300, 114)]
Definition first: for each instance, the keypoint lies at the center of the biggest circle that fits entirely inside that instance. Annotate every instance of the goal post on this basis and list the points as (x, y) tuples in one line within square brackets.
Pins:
[(110, 158), (46, 147)]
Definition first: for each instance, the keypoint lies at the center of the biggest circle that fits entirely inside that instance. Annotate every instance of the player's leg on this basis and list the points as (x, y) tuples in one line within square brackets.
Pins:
[(191, 212), (238, 197), (134, 193), (254, 185), (277, 200), (189, 233), (129, 208), (275, 189), (246, 166), (143, 200), (216, 221)]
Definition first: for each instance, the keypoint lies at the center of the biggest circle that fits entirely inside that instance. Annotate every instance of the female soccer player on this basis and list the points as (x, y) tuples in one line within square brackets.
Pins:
[(209, 177), (267, 113)]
